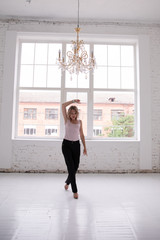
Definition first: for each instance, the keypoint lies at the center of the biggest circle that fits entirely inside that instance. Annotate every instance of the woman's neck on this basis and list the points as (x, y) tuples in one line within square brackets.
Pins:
[(73, 121)]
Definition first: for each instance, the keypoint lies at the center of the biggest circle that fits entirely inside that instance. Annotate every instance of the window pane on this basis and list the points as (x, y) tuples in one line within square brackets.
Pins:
[(100, 77), (27, 56), (82, 107), (117, 119), (127, 77), (29, 100), (127, 58), (40, 73), (53, 52), (83, 80), (100, 52), (26, 76), (113, 55), (41, 53), (114, 77), (71, 81), (54, 77), (77, 81)]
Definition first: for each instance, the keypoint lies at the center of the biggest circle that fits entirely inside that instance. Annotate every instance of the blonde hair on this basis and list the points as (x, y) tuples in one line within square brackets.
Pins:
[(75, 109)]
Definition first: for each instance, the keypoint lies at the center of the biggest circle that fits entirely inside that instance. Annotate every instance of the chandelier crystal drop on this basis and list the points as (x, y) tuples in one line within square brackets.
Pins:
[(78, 60)]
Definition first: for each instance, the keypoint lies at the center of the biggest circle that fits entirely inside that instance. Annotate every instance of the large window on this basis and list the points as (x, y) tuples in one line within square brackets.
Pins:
[(108, 97)]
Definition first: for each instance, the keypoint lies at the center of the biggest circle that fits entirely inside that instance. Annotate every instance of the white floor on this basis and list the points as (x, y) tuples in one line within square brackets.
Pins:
[(110, 207)]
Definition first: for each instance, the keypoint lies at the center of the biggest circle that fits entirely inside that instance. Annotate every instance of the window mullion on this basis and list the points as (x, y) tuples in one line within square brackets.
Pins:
[(15, 133), (136, 89), (47, 66), (63, 94), (90, 102), (34, 64)]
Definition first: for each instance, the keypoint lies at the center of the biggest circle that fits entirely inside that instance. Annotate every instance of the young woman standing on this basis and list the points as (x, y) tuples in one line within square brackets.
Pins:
[(71, 143)]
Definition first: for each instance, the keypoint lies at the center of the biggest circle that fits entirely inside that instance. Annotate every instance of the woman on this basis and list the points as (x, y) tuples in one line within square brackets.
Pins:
[(71, 144)]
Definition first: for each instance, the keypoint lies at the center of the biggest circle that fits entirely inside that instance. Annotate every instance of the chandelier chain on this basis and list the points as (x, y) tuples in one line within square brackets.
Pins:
[(78, 60), (78, 15)]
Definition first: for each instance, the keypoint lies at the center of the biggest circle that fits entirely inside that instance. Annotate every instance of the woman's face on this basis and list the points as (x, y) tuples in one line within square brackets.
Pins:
[(73, 115)]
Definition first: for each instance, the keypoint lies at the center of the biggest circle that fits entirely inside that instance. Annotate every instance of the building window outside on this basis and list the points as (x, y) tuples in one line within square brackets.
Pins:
[(116, 114), (97, 131), (51, 113), (116, 130), (113, 88), (29, 130), (30, 113), (51, 130), (97, 114)]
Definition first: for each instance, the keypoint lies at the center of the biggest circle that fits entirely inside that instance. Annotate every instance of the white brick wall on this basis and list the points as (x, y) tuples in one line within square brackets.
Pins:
[(102, 156), (155, 101), (3, 28)]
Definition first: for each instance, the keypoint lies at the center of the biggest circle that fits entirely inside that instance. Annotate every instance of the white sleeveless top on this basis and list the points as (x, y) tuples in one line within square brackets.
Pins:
[(72, 130)]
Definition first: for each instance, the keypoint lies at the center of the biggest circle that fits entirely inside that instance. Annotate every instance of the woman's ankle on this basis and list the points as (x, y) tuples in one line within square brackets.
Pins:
[(75, 195), (66, 186)]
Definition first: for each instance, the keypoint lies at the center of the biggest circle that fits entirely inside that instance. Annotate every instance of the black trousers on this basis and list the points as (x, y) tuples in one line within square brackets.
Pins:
[(71, 153)]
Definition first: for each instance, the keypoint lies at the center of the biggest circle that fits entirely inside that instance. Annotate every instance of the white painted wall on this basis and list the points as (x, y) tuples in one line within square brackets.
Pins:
[(108, 156)]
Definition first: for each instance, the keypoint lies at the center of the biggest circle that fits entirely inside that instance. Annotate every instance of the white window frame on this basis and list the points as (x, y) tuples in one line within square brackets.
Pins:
[(89, 90)]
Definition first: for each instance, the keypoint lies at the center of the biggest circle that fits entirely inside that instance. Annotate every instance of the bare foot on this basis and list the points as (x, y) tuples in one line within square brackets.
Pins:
[(75, 195), (66, 187)]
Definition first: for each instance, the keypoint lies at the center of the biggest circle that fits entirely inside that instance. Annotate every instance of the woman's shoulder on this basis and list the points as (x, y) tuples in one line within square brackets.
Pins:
[(80, 122)]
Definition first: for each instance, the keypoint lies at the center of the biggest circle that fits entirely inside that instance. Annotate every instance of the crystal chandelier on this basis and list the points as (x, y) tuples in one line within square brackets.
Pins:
[(78, 60)]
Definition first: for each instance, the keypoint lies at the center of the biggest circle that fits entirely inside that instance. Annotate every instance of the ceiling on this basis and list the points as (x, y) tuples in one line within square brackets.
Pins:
[(97, 10)]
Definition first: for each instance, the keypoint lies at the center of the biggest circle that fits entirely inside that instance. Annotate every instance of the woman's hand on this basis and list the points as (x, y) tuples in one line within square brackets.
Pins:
[(76, 101), (85, 151)]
